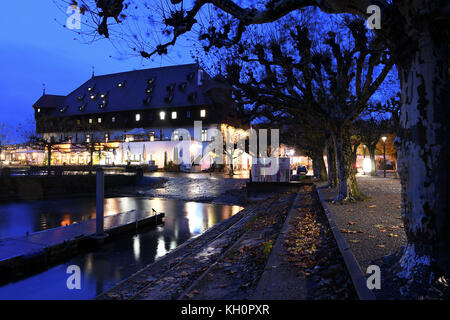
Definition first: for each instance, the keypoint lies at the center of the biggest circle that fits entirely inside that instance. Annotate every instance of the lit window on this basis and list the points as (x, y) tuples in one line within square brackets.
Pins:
[(38, 110), (152, 138), (202, 113), (78, 121), (106, 137), (138, 117), (88, 138), (175, 135), (162, 115), (113, 119), (204, 135), (99, 120), (90, 120), (174, 114)]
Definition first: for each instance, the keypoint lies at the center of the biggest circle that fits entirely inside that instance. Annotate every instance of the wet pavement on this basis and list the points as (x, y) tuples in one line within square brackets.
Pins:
[(215, 187), (372, 228)]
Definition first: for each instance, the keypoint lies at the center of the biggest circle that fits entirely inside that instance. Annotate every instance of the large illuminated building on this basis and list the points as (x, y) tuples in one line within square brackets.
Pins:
[(134, 117)]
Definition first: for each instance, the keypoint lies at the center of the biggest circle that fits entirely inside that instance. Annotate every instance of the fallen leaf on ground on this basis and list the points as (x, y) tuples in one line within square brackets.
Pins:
[(354, 241), (392, 235)]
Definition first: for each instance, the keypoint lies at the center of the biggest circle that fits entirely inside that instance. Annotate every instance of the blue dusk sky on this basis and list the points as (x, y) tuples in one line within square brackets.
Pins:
[(36, 49)]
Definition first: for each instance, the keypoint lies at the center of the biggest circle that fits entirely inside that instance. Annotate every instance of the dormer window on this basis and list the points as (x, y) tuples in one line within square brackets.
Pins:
[(162, 115), (200, 77), (182, 86), (147, 100), (192, 96), (202, 113), (103, 104)]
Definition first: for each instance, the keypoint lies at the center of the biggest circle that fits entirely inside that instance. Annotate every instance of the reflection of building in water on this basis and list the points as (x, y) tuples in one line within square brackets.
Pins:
[(138, 116)]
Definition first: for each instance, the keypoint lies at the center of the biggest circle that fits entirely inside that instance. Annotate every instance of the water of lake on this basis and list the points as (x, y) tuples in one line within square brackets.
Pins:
[(103, 267)]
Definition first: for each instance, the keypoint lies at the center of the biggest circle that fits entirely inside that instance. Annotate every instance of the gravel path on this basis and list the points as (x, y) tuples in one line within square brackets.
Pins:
[(372, 228)]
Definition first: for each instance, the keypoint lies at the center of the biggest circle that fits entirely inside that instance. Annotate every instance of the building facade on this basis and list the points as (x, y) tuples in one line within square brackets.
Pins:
[(138, 117)]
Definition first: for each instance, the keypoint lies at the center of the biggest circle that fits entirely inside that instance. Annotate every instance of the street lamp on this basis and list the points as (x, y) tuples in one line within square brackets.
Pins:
[(384, 155)]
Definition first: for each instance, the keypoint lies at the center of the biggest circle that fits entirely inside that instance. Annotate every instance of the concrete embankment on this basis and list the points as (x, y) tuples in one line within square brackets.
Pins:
[(44, 187)]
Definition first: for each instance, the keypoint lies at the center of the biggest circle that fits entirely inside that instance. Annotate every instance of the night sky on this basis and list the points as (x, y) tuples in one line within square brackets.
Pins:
[(36, 49)]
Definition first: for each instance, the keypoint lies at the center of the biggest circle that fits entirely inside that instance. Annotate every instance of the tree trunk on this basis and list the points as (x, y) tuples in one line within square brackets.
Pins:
[(49, 160), (423, 158), (373, 170), (319, 169), (348, 189), (331, 161), (91, 154)]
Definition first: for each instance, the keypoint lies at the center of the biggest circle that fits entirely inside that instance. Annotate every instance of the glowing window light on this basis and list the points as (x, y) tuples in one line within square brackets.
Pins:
[(367, 165)]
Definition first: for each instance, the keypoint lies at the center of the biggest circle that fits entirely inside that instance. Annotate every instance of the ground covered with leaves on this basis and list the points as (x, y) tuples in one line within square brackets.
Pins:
[(312, 249)]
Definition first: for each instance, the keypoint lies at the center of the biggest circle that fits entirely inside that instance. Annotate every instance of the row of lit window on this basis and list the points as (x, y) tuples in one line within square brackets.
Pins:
[(130, 138), (162, 116)]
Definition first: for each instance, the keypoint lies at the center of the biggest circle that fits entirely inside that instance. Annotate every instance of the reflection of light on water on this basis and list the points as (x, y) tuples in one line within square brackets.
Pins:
[(88, 264), (161, 249), (195, 217), (211, 218), (136, 247), (66, 220), (235, 209)]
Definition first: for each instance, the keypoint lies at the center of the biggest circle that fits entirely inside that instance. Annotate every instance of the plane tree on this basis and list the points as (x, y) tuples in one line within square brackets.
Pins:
[(330, 86)]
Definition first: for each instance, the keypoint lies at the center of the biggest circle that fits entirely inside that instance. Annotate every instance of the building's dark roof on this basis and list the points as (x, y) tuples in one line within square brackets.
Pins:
[(49, 101), (182, 80)]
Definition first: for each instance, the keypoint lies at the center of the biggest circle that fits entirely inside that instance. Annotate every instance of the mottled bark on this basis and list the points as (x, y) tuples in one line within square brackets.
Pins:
[(319, 169), (331, 162), (373, 170), (423, 159), (348, 188)]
